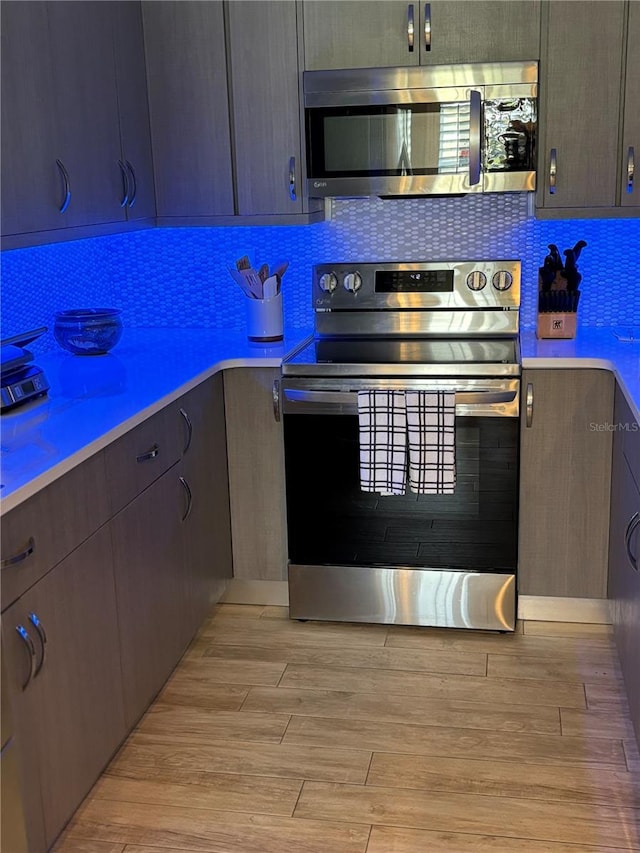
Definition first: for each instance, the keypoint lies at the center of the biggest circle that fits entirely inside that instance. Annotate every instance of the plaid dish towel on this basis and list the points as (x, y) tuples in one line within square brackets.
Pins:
[(383, 442), (431, 419)]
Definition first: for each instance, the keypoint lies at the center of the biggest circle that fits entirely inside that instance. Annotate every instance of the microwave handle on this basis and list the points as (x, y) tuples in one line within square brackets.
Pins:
[(475, 116)]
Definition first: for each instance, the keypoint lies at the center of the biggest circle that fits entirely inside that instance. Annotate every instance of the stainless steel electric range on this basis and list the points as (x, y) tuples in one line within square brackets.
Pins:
[(414, 559)]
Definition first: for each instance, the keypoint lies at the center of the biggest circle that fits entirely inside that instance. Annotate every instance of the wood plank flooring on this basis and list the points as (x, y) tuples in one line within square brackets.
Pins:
[(275, 736)]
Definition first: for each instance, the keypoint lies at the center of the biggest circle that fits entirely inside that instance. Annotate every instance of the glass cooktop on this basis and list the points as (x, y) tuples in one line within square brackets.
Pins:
[(409, 356)]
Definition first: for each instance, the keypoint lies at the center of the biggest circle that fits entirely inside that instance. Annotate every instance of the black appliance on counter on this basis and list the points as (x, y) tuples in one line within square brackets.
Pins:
[(21, 380), (417, 559)]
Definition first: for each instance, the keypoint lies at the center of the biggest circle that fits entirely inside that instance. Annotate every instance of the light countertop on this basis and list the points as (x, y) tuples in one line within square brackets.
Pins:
[(95, 400)]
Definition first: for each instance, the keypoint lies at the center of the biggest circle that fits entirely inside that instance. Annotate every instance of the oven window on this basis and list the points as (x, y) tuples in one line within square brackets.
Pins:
[(330, 521), (388, 141)]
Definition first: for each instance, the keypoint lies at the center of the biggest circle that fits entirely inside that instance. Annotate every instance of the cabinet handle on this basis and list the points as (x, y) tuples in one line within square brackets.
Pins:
[(67, 186), (42, 634), (634, 521), (134, 184), (427, 26), (26, 639), (151, 454), (475, 115), (125, 184), (22, 555), (187, 511), (529, 404), (631, 168), (187, 421), (553, 170), (410, 28), (292, 178), (276, 399)]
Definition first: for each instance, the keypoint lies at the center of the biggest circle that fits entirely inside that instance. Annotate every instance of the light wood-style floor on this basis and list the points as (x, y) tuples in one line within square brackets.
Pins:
[(275, 736)]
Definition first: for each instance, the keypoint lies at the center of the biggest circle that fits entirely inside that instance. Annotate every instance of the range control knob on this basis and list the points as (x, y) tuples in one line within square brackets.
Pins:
[(328, 282), (352, 281), (476, 280), (502, 280)]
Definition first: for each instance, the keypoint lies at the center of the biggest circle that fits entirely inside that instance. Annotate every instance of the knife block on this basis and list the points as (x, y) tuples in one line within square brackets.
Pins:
[(552, 325), (556, 324)]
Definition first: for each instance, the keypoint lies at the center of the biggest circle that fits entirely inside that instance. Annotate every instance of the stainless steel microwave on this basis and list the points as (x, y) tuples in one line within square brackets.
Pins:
[(433, 130)]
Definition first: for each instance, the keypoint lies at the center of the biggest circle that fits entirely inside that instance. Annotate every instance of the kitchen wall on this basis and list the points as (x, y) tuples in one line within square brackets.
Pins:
[(177, 277)]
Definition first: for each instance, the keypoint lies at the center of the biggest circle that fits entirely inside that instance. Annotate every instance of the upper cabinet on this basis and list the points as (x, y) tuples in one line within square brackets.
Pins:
[(225, 110), (588, 80), (189, 107), (345, 34), (630, 150), (65, 164), (266, 115)]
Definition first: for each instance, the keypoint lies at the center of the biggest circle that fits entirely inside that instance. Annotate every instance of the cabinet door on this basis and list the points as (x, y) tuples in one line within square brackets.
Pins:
[(189, 109), (565, 483), (263, 48), (85, 100), (31, 187), (207, 527), (580, 76), (353, 34), (479, 31), (624, 551), (69, 719), (631, 126), (363, 35), (133, 107), (256, 475), (151, 590)]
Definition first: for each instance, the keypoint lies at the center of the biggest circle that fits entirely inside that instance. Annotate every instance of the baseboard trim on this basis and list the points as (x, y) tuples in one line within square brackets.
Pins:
[(241, 591), (541, 608)]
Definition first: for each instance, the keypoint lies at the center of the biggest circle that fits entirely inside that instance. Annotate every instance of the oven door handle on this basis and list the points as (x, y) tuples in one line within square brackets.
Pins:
[(348, 400)]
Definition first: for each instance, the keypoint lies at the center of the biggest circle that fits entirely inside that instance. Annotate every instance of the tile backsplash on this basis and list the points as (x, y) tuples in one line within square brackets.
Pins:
[(177, 276)]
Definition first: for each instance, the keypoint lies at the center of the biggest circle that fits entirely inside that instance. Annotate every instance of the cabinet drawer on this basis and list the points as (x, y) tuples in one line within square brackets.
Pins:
[(32, 543), (134, 461)]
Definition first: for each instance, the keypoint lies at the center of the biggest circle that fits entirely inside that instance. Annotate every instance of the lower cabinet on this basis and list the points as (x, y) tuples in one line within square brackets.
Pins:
[(256, 475), (624, 551), (207, 522), (60, 646), (151, 586), (565, 482)]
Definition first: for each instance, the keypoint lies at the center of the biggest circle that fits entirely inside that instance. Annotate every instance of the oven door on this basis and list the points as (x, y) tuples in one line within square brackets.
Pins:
[(407, 559)]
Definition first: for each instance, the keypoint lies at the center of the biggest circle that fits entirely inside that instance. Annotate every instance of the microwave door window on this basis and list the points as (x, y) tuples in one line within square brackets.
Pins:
[(424, 139)]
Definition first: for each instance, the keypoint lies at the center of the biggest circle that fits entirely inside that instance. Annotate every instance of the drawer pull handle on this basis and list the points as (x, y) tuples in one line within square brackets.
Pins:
[(187, 421), (529, 404), (150, 454), (125, 184), (427, 26), (634, 521), (134, 184), (187, 512), (67, 186), (18, 558), (553, 170), (42, 634), (410, 27), (28, 642)]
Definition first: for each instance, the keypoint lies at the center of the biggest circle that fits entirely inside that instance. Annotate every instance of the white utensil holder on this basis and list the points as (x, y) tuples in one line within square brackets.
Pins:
[(265, 321)]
